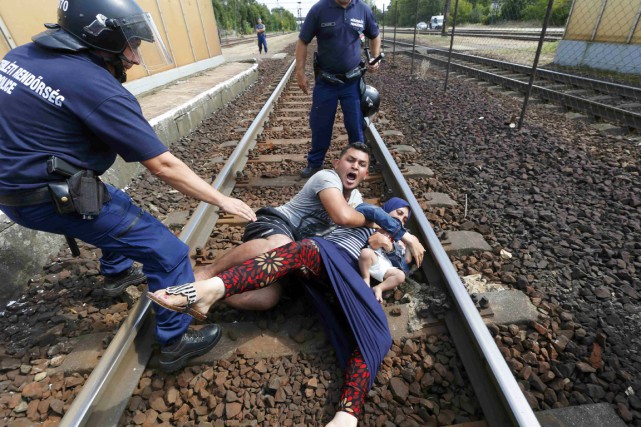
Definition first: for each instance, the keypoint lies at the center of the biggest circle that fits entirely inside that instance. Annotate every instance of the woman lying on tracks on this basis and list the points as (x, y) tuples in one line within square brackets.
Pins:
[(358, 330)]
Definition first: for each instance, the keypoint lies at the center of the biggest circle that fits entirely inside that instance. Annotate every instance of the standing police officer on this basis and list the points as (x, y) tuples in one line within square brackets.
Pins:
[(262, 36), (64, 118), (338, 26)]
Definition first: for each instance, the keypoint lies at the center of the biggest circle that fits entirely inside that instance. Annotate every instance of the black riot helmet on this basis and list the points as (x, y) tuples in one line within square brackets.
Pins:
[(370, 101), (106, 25)]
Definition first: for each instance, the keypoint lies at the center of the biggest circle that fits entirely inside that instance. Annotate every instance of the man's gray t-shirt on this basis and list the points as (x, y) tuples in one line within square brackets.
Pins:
[(306, 212)]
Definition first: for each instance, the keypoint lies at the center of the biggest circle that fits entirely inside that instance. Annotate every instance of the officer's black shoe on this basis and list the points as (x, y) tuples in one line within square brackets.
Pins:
[(115, 285), (192, 343), (309, 171)]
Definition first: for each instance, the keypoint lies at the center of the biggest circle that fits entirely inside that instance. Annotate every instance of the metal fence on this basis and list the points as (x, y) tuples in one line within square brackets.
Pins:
[(582, 54)]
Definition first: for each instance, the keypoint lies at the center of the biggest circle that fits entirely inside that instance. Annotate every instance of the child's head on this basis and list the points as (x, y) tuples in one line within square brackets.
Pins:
[(398, 208)]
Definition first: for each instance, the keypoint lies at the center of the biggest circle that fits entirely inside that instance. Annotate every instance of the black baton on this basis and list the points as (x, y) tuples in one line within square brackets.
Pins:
[(73, 245)]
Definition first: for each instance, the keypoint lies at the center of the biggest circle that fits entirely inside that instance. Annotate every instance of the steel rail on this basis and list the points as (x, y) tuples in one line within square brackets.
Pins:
[(499, 395), (108, 389), (607, 112), (580, 81), (488, 31), (511, 35), (205, 216), (235, 42), (103, 398)]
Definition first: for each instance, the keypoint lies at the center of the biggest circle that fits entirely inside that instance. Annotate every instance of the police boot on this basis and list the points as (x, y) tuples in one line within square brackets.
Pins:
[(194, 342), (115, 285), (309, 171)]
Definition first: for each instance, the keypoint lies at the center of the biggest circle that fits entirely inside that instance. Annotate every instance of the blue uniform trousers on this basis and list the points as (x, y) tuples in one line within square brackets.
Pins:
[(321, 117), (123, 232), (262, 42)]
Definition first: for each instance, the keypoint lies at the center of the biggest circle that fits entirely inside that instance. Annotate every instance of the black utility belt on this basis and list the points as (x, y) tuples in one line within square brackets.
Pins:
[(26, 198), (82, 193), (338, 79)]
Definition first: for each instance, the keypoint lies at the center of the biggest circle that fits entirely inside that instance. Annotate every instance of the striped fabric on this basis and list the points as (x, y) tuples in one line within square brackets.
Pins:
[(351, 240)]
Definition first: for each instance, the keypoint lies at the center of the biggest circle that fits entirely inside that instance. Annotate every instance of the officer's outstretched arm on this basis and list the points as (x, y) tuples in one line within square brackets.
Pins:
[(177, 174), (301, 60)]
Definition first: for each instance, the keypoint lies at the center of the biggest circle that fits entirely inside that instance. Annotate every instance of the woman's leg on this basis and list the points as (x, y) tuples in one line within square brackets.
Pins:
[(353, 392), (253, 274)]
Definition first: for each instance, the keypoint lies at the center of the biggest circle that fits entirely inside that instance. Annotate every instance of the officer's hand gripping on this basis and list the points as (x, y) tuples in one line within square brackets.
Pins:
[(233, 206)]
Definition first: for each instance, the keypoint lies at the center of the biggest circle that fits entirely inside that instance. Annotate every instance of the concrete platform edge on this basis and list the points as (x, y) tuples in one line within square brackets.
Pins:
[(140, 86)]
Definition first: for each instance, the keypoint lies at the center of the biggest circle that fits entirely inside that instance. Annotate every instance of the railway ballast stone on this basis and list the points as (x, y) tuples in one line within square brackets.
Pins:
[(417, 171), (510, 307), (560, 197), (439, 200), (464, 243)]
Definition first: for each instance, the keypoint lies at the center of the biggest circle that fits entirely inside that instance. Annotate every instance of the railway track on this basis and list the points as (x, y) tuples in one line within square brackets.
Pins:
[(283, 136), (607, 101), (242, 40), (269, 138), (511, 34)]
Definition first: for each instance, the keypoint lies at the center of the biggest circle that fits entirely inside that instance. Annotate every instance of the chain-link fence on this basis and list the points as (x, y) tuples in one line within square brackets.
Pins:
[(582, 54)]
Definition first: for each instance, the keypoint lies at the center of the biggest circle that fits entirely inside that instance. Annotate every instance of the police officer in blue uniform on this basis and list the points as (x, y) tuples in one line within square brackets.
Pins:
[(338, 26), (64, 118), (262, 36)]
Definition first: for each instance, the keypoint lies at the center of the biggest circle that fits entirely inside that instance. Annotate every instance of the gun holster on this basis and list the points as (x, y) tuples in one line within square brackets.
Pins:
[(81, 192), (330, 78), (88, 193), (356, 73)]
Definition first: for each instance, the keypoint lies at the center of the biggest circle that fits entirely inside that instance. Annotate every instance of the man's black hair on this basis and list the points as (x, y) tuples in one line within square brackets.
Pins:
[(360, 146)]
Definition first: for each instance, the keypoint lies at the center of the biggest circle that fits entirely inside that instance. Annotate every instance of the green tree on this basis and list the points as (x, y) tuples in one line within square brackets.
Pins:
[(512, 10), (536, 11), (242, 15)]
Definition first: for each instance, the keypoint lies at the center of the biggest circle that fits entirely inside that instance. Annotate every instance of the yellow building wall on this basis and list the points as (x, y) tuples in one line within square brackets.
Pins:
[(188, 27), (206, 10), (583, 19), (617, 20)]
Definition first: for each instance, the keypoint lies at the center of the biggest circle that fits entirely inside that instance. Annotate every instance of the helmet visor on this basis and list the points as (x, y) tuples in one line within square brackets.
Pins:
[(144, 41)]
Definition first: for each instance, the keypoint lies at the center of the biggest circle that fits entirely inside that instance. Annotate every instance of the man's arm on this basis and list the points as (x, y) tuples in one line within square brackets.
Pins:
[(412, 243), (384, 220), (178, 175), (301, 60), (338, 209)]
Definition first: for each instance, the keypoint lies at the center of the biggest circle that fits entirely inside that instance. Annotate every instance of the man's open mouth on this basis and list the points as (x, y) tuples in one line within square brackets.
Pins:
[(351, 176)]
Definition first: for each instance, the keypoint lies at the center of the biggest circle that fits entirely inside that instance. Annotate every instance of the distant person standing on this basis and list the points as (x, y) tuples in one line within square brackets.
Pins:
[(338, 26), (262, 37)]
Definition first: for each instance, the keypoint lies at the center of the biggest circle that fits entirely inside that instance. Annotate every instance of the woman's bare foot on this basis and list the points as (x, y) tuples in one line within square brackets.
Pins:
[(207, 293)]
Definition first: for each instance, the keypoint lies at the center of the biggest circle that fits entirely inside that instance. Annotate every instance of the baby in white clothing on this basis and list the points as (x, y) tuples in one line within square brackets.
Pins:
[(388, 264)]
